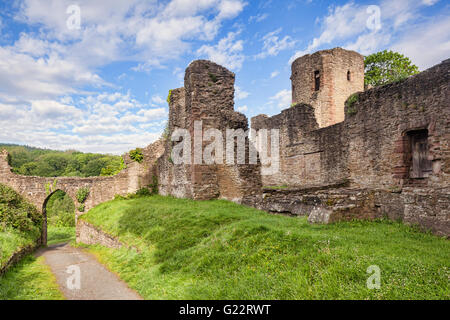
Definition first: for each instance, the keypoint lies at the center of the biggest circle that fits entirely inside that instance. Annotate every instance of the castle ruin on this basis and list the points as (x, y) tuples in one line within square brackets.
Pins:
[(384, 153)]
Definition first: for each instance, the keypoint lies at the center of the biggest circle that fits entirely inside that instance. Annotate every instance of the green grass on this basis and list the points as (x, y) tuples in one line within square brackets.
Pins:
[(30, 279), (12, 240), (57, 235), (221, 250)]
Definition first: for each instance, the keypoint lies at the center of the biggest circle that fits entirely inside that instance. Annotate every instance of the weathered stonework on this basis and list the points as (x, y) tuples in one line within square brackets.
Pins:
[(325, 80), (88, 234), (386, 154), (38, 190), (371, 152), (207, 96)]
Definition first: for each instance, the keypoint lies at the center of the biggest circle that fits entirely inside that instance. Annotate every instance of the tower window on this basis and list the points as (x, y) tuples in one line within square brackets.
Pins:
[(349, 75), (317, 80)]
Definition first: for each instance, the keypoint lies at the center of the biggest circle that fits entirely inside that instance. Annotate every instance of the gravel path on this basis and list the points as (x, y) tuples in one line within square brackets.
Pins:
[(81, 277)]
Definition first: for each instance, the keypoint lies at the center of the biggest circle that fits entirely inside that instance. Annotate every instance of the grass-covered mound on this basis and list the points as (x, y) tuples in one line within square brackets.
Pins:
[(20, 223), (221, 250)]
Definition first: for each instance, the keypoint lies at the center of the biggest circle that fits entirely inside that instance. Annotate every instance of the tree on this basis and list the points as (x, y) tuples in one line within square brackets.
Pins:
[(386, 67)]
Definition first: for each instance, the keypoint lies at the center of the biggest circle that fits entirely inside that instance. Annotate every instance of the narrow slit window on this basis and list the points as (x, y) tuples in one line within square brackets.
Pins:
[(317, 80), (349, 75)]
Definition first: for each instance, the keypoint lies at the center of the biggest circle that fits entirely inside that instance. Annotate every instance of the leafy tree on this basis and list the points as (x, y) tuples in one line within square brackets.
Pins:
[(49, 163), (386, 67)]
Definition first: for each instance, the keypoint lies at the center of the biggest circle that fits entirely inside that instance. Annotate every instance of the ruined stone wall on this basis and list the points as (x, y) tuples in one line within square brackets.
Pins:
[(377, 127), (207, 96), (37, 190), (309, 156), (370, 152), (341, 74)]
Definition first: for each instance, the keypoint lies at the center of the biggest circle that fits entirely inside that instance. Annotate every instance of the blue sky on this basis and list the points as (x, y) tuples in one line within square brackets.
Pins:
[(102, 87)]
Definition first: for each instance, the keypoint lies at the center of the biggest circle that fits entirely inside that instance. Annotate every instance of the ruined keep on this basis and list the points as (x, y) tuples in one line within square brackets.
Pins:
[(207, 97), (325, 80), (384, 153), (389, 157)]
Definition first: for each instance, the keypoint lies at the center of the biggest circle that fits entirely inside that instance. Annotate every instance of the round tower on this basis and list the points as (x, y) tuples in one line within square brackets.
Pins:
[(325, 80)]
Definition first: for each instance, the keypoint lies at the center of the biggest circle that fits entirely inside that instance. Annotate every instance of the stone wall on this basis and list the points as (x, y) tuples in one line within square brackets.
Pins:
[(371, 152), (309, 155), (207, 97), (38, 190), (88, 234)]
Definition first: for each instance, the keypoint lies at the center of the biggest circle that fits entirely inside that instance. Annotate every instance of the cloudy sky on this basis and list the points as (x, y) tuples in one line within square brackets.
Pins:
[(94, 75)]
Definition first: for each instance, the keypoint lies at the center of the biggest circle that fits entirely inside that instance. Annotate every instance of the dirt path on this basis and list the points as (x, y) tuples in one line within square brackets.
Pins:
[(81, 277)]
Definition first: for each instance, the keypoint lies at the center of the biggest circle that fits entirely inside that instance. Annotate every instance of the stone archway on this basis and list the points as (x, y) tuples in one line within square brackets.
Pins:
[(45, 223), (37, 190)]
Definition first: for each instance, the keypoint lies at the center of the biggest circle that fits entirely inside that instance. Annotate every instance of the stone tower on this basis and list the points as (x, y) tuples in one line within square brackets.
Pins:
[(325, 80)]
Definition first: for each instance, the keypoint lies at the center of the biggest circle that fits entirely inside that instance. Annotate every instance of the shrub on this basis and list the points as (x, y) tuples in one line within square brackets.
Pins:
[(137, 155), (81, 208), (143, 192), (16, 212), (82, 194), (351, 109), (169, 97)]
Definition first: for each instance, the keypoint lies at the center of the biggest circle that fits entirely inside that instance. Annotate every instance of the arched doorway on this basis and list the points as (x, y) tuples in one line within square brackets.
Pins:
[(59, 218)]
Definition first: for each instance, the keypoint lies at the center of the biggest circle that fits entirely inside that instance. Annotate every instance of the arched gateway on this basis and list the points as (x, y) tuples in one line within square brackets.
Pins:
[(37, 190)]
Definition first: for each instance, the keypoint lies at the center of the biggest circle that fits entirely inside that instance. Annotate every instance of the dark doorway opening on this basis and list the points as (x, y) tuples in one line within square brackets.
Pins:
[(420, 165)]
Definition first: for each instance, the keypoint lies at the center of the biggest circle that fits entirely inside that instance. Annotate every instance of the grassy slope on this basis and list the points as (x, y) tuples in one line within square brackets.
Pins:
[(30, 279), (220, 250), (12, 240)]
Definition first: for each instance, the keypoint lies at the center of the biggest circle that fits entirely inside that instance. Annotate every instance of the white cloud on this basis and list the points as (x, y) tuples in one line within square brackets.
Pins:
[(230, 8), (242, 109), (274, 74), (105, 117), (345, 23), (227, 52), (49, 83), (273, 44), (158, 100), (52, 110), (426, 44), (258, 18), (282, 99), (240, 94)]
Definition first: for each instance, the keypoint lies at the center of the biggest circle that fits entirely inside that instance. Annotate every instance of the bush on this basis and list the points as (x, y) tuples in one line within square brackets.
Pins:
[(143, 192), (81, 208), (351, 110), (16, 212), (137, 155), (82, 194)]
